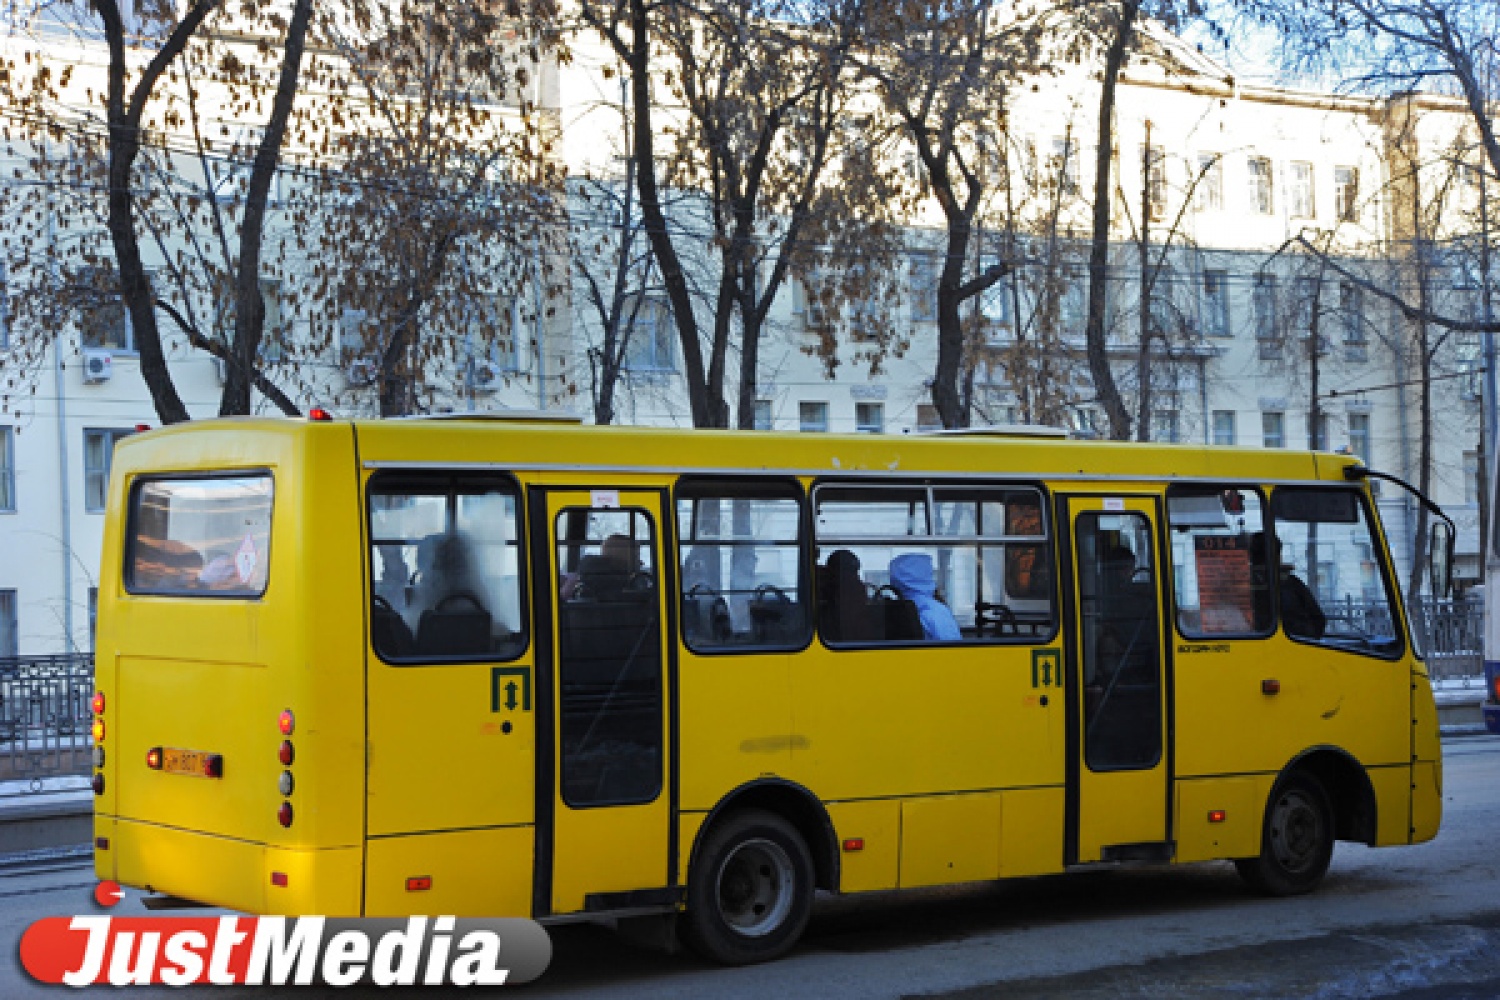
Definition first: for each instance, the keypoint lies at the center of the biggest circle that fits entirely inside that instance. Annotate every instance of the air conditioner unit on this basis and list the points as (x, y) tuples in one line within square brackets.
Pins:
[(98, 366), (486, 377), (361, 372)]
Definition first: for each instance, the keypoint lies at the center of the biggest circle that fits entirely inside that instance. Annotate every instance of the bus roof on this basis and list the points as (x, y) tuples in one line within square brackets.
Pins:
[(564, 446)]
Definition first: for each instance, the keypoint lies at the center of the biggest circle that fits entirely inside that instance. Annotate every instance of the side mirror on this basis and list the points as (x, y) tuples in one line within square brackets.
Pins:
[(1440, 559)]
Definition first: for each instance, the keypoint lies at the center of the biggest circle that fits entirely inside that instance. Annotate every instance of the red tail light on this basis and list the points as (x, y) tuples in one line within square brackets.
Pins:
[(286, 754), (153, 758), (98, 703), (284, 814), (286, 723), (213, 766)]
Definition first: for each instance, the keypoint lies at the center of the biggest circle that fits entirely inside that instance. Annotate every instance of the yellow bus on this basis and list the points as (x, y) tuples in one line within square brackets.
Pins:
[(529, 668)]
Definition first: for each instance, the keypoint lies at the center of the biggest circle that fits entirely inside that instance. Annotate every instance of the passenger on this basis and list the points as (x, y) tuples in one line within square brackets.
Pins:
[(912, 578), (1301, 614)]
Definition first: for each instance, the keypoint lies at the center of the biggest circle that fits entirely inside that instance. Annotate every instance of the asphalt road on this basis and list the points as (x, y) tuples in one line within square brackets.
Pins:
[(1416, 922)]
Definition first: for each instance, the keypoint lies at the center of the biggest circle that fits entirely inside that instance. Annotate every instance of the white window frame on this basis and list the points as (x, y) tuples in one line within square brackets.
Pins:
[(1225, 421), (7, 470), (1262, 176), (812, 416), (98, 476), (1302, 200)]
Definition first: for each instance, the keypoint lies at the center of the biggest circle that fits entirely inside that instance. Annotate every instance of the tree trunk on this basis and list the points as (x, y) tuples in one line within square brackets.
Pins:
[(1104, 380), (250, 306)]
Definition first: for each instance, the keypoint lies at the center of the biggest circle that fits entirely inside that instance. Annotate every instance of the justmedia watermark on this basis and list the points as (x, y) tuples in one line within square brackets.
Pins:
[(283, 951)]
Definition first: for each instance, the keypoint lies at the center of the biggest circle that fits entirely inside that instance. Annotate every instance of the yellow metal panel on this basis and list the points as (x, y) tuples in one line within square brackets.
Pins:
[(878, 824), (1241, 799), (475, 873), (950, 838), (1393, 805), (104, 860), (689, 826), (1227, 725), (913, 721), (730, 736), (213, 870), (1031, 831), (441, 757), (317, 881), (1426, 800), (610, 849)]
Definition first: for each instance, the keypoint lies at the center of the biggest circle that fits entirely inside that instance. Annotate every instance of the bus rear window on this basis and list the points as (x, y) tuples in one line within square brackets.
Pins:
[(202, 536)]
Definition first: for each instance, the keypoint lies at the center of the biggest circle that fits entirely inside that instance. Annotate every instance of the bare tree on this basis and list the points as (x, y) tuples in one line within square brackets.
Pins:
[(121, 172)]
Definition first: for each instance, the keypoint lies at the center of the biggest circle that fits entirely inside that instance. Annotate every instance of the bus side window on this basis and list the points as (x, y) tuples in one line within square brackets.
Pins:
[(938, 564), (741, 551), (1332, 586), (1218, 550), (444, 568)]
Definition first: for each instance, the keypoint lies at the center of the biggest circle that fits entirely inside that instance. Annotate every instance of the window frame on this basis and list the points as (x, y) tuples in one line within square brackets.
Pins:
[(803, 425), (127, 570), (1215, 285), (692, 487), (1202, 489), (1262, 184), (1048, 541), (115, 435), (451, 482), (10, 620), (1380, 554), (9, 502)]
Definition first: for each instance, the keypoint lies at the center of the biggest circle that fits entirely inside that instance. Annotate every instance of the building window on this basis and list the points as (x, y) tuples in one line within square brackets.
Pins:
[(1164, 426), (1156, 182), (1351, 308), (650, 347), (102, 319), (98, 449), (10, 626), (813, 416), (763, 419), (995, 304), (1471, 477), (869, 418), (1261, 199), (808, 303), (1273, 430), (353, 324), (1163, 310), (1065, 163), (925, 272), (4, 309), (1359, 435), (7, 469), (1267, 329), (927, 418), (1216, 303), (1209, 194), (1346, 193), (1300, 197), (1224, 427)]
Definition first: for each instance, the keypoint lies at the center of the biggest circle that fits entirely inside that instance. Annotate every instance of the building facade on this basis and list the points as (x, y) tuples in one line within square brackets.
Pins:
[(1255, 340)]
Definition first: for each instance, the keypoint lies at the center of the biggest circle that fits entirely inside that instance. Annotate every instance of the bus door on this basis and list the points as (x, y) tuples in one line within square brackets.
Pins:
[(603, 833), (1118, 763)]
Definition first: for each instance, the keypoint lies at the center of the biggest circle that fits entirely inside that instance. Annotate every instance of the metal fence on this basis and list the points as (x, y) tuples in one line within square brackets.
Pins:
[(45, 716), (1450, 635)]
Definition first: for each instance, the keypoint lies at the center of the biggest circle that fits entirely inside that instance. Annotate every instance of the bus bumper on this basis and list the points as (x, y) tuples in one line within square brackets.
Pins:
[(233, 874)]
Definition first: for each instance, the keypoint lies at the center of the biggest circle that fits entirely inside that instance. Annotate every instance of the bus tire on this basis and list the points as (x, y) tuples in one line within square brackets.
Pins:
[(750, 891), (1296, 839)]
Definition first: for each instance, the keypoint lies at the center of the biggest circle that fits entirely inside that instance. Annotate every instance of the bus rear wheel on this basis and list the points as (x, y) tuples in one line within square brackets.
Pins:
[(750, 891), (1296, 840)]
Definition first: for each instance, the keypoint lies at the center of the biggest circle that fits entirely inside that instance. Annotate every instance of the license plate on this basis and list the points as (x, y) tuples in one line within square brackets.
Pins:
[(189, 762)]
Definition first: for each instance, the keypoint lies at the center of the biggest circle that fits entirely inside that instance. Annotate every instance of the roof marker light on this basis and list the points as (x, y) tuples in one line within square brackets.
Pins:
[(153, 758), (319, 414), (1216, 815)]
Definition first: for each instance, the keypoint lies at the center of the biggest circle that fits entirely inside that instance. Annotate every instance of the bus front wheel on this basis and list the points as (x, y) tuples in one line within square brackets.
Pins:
[(1296, 839), (750, 891)]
